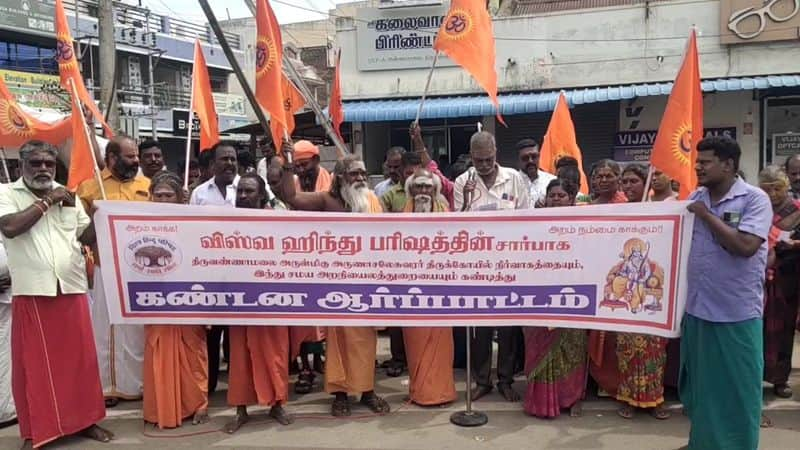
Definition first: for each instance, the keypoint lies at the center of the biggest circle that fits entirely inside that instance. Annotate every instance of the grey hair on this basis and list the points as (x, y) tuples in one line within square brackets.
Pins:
[(482, 139), (394, 151), (773, 174), (31, 147), (437, 183)]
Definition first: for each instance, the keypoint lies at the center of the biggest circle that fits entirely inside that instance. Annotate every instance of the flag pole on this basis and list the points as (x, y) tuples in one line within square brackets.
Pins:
[(647, 183), (189, 127), (5, 164), (287, 155), (427, 86), (96, 168)]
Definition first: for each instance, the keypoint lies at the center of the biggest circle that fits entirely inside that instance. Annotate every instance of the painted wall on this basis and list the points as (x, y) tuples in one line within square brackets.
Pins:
[(721, 109), (599, 52)]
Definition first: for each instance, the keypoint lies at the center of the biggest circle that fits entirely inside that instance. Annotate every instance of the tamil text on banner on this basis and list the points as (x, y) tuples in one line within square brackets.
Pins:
[(612, 267)]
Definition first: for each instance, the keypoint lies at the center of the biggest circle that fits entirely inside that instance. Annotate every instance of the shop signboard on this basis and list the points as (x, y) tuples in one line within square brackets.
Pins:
[(635, 145), (398, 38), (28, 15), (744, 21), (784, 145)]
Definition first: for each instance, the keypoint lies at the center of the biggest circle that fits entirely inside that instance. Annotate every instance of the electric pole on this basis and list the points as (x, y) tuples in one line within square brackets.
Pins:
[(108, 55)]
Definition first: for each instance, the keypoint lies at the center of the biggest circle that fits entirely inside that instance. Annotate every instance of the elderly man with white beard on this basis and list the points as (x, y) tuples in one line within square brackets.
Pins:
[(350, 351), (429, 350)]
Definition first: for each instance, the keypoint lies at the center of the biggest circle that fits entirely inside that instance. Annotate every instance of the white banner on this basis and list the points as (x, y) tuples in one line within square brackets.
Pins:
[(608, 267)]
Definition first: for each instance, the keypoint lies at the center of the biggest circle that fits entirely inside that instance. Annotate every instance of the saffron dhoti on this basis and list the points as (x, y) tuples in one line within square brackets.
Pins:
[(258, 372)]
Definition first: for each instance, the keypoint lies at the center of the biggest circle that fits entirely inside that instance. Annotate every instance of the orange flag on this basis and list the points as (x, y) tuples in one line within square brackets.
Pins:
[(18, 127), (467, 38), (203, 101), (269, 57), (560, 141), (292, 101), (335, 108), (81, 163), (675, 147), (68, 66)]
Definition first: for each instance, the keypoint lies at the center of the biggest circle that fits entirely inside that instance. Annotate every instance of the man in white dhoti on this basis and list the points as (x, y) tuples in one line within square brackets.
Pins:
[(120, 348), (7, 411)]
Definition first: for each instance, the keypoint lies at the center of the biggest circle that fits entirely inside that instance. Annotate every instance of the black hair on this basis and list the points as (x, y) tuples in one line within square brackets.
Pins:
[(637, 169), (206, 158), (569, 173), (566, 161), (213, 151), (411, 159), (723, 147), (569, 187), (606, 164), (262, 185), (148, 143), (526, 143)]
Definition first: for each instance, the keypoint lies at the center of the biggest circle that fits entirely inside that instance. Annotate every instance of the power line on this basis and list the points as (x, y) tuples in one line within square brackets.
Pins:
[(522, 39)]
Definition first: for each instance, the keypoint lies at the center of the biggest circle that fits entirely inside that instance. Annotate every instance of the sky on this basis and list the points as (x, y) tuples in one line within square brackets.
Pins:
[(190, 9)]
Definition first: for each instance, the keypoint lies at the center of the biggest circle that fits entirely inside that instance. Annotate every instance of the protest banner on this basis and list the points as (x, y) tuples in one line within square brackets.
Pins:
[(609, 267)]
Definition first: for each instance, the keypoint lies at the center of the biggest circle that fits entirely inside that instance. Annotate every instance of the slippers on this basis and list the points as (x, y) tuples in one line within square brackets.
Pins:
[(375, 404)]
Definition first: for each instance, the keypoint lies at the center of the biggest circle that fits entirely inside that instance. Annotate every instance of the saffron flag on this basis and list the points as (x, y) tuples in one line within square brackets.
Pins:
[(203, 101), (675, 147), (335, 109), (292, 101), (18, 127), (81, 162), (560, 141), (68, 66), (466, 37), (269, 57)]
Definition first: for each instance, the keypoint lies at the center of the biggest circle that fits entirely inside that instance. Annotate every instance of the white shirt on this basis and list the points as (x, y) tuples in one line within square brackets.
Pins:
[(48, 255), (209, 194), (383, 187), (508, 192), (537, 189)]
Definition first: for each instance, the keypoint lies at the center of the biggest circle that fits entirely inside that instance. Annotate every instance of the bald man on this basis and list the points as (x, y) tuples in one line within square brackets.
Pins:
[(120, 348)]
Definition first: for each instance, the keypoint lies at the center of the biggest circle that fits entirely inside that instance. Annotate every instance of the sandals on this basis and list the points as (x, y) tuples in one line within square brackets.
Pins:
[(340, 408), (375, 404), (782, 390), (304, 383), (660, 413)]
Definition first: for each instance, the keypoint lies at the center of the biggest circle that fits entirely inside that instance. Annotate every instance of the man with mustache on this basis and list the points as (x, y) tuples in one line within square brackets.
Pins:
[(310, 175), (219, 190), (151, 158), (55, 378), (120, 348), (350, 351), (392, 165), (536, 179), (429, 350), (258, 373), (792, 167), (488, 186)]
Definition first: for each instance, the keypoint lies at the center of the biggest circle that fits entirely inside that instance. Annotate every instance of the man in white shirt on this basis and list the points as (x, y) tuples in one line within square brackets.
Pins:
[(392, 165), (219, 190), (537, 179), (488, 186)]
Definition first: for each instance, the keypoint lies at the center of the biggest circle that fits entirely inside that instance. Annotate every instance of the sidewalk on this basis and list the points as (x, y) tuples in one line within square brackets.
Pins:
[(413, 427)]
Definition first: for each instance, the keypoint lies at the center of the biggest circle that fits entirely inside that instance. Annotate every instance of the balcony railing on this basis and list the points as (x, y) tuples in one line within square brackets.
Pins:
[(133, 16)]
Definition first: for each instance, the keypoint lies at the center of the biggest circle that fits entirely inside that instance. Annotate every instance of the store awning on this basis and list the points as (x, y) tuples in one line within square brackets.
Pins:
[(533, 102)]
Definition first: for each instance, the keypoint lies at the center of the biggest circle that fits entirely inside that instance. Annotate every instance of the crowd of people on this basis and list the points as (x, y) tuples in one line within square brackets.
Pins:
[(67, 363)]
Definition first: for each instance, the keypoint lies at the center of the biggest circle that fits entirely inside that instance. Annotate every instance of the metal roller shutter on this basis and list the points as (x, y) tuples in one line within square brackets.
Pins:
[(595, 127)]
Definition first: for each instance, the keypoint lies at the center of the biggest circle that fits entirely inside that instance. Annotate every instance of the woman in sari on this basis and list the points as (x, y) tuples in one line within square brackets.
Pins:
[(604, 179), (641, 358), (555, 359), (175, 356), (782, 293)]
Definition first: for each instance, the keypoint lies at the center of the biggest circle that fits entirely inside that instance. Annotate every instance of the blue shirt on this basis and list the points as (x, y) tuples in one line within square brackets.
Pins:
[(724, 287)]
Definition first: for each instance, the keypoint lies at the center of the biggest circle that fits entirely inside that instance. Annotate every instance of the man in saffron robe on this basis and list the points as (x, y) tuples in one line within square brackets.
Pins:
[(120, 348), (258, 372), (304, 341), (350, 351), (175, 356), (429, 350), (55, 377)]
